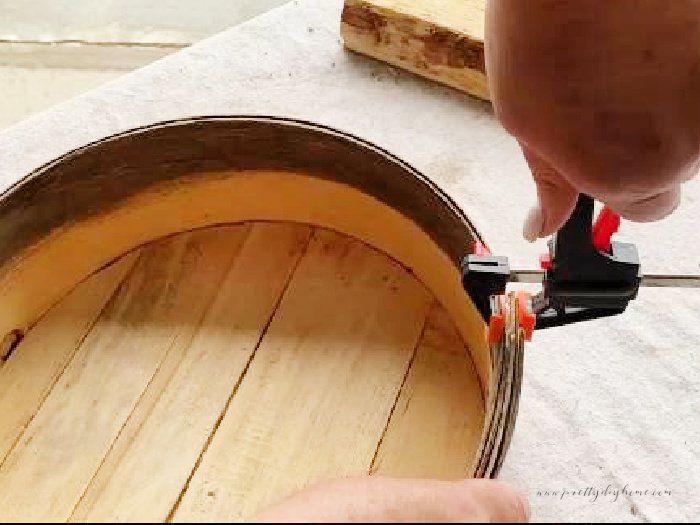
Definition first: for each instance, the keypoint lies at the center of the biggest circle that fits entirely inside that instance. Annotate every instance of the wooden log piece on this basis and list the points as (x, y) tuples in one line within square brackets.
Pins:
[(442, 40)]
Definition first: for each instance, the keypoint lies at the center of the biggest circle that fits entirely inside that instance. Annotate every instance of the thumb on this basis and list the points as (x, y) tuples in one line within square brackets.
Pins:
[(556, 198), (381, 499)]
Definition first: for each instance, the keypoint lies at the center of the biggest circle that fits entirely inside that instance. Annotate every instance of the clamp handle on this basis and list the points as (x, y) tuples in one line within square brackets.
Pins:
[(590, 275), (587, 274)]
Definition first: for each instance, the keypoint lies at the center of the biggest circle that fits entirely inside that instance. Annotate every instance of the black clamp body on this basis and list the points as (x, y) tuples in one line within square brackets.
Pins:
[(581, 282), (484, 276)]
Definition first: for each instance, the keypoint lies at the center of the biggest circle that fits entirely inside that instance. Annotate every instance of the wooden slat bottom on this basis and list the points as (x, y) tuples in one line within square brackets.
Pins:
[(217, 371)]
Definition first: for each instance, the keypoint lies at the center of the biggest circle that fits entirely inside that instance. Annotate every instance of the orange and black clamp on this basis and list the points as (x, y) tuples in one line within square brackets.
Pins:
[(587, 275)]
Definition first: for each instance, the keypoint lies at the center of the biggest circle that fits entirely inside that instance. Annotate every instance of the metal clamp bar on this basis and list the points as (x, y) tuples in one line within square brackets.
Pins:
[(648, 281)]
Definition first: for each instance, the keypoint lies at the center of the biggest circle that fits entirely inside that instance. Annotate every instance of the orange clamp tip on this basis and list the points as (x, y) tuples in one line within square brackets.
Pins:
[(526, 319), (495, 329), (497, 323)]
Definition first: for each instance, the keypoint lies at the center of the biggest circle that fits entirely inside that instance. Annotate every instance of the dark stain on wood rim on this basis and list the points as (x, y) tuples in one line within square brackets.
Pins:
[(91, 180)]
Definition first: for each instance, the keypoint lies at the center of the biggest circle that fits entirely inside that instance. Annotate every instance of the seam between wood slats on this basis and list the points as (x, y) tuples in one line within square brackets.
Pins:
[(126, 423), (68, 361), (239, 381), (205, 311), (372, 465), (11, 341)]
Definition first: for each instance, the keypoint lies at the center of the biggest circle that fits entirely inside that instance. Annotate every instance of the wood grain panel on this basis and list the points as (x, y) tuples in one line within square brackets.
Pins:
[(435, 429), (191, 404), (155, 312), (30, 373), (319, 391)]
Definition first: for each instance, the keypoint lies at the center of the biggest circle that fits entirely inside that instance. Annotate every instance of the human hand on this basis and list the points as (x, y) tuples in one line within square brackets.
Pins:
[(603, 97), (381, 499)]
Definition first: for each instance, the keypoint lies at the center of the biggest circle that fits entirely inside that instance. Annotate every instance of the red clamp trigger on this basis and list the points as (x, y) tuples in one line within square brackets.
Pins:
[(605, 226), (480, 249)]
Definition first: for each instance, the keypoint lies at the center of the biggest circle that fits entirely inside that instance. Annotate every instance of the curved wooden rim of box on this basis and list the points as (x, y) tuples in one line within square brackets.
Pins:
[(78, 213)]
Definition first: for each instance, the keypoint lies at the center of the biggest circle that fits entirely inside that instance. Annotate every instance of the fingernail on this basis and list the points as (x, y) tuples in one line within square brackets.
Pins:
[(534, 221)]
